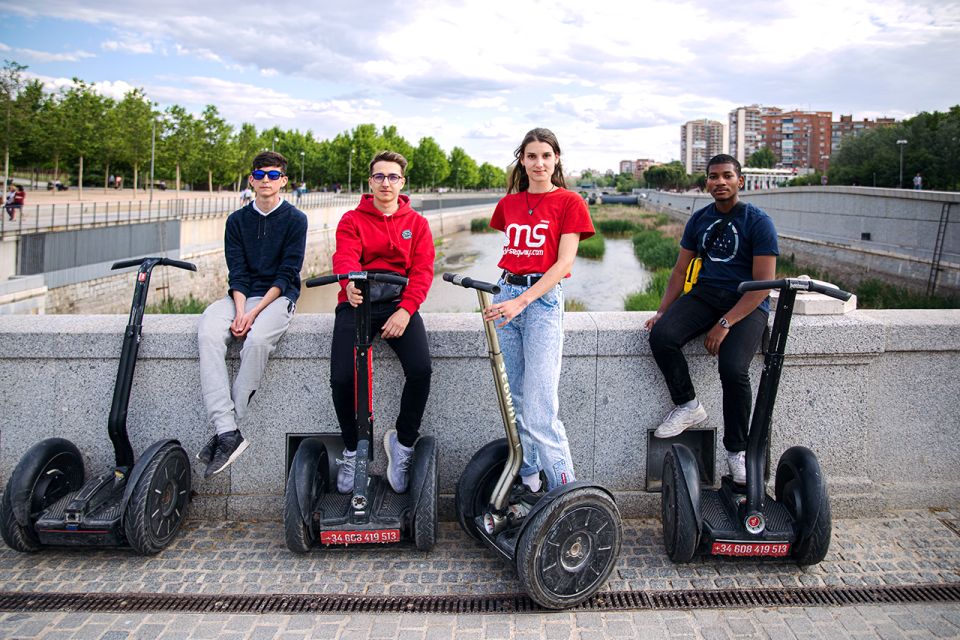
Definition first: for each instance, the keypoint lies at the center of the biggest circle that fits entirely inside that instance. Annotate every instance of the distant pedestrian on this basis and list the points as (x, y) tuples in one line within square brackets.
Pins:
[(918, 182), (111, 181), (119, 182), (8, 202), (246, 196), (19, 197)]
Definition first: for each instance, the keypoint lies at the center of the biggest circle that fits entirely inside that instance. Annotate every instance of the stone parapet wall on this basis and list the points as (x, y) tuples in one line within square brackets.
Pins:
[(874, 393)]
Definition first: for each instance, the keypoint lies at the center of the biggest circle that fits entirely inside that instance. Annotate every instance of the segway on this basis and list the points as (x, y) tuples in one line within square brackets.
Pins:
[(737, 520), (139, 503), (314, 511), (566, 546)]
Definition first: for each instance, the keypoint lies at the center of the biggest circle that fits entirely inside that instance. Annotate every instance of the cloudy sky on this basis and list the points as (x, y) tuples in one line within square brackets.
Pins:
[(614, 80)]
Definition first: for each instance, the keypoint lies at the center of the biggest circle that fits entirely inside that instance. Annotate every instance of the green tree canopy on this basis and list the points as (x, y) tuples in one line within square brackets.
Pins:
[(464, 173), (762, 158), (430, 166)]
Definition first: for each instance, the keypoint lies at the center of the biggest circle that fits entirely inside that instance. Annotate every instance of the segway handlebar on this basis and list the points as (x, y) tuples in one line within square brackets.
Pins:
[(470, 283), (797, 284), (170, 262), (392, 278)]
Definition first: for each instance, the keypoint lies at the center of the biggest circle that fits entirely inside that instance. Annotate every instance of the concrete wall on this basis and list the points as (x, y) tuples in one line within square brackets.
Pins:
[(874, 393), (824, 225)]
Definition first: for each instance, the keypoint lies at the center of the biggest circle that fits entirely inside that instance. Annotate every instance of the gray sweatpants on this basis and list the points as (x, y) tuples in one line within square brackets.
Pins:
[(225, 409)]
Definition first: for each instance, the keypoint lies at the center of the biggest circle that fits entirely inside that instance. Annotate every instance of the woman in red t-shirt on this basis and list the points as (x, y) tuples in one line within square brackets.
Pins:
[(543, 223)]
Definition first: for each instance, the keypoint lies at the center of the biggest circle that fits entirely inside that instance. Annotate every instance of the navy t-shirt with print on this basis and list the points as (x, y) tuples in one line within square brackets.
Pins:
[(730, 259)]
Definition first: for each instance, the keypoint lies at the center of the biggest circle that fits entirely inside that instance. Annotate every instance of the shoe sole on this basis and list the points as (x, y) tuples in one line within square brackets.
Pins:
[(386, 448), (675, 432), (240, 449)]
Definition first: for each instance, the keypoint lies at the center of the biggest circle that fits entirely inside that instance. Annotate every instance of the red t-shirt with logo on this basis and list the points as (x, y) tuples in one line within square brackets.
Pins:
[(531, 240)]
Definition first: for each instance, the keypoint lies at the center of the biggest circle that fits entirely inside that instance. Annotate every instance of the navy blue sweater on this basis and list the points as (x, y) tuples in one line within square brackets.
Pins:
[(266, 251)]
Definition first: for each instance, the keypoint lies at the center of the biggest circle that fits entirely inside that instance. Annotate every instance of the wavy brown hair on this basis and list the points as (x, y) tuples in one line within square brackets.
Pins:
[(519, 181)]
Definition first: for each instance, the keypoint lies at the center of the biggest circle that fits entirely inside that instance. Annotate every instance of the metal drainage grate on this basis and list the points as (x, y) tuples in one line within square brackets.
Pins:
[(503, 603)]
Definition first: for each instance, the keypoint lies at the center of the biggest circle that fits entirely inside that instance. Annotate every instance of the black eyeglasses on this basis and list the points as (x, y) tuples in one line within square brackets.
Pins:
[(380, 177), (259, 174)]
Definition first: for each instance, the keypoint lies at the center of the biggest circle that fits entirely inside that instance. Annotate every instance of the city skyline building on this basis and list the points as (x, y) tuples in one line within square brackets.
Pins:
[(700, 140), (847, 126), (799, 139), (746, 130)]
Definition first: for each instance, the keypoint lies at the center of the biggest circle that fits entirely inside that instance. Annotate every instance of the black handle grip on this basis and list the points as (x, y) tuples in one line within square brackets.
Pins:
[(470, 283), (357, 275), (322, 280), (170, 262), (799, 284), (179, 264)]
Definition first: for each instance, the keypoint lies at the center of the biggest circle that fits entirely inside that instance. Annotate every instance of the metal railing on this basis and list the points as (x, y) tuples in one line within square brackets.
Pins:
[(61, 216)]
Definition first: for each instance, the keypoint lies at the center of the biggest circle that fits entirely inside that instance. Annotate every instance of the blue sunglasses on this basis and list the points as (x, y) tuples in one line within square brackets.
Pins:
[(259, 174)]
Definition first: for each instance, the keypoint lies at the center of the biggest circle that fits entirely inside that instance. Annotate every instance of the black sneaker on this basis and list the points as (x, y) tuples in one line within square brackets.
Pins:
[(522, 500), (206, 454), (229, 446)]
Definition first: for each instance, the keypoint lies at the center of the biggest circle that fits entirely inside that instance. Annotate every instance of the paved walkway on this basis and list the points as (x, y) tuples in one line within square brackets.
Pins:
[(250, 558)]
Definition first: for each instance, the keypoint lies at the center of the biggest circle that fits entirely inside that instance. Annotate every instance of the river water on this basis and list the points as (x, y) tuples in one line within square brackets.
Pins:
[(601, 285)]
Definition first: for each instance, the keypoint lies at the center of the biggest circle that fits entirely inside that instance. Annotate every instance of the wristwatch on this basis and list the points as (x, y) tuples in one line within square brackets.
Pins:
[(723, 322)]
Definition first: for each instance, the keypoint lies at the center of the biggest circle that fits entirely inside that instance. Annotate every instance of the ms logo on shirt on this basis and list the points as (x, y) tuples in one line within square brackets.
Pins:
[(525, 235)]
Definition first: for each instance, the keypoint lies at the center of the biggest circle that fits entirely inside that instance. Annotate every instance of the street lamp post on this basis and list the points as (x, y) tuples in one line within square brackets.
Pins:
[(302, 154), (350, 173), (901, 143)]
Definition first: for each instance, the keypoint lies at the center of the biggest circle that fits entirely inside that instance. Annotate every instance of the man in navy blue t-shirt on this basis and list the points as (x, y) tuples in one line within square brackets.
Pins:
[(738, 242)]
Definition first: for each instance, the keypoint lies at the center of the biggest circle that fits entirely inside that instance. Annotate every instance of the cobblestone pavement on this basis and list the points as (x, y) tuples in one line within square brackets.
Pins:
[(241, 557)]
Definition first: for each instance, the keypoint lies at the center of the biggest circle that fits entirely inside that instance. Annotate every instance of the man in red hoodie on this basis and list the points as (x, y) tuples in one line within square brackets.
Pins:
[(384, 234)]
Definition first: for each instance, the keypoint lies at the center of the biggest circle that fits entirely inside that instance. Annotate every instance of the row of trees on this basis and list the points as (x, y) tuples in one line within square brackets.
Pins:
[(78, 132)]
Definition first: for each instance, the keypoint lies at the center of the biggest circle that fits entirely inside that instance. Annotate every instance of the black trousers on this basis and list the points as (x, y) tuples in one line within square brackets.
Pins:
[(414, 354), (693, 315)]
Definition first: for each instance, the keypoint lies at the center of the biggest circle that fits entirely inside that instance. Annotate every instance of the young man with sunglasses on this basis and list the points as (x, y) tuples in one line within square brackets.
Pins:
[(264, 244), (384, 234)]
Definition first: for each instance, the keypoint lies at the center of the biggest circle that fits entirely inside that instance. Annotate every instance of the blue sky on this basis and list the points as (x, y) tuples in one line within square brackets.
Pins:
[(614, 80)]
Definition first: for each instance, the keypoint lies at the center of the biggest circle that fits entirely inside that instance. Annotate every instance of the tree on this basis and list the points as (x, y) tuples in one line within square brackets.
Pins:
[(390, 140), (672, 175), (214, 145), (463, 170), (11, 84), (180, 143), (762, 158), (246, 145), (625, 182), (491, 177), (134, 121), (83, 111), (430, 166)]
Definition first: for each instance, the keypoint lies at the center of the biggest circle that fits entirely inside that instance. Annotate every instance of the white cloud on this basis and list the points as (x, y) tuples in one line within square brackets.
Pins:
[(32, 55), (125, 46)]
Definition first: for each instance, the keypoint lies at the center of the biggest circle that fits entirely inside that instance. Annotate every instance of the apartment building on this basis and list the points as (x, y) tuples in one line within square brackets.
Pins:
[(847, 126), (746, 130), (799, 139), (700, 140)]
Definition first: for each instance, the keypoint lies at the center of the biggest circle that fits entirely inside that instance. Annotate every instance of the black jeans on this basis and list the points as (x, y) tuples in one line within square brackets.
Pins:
[(692, 315), (414, 354)]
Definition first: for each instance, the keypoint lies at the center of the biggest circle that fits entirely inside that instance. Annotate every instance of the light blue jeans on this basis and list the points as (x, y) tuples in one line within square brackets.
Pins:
[(532, 346)]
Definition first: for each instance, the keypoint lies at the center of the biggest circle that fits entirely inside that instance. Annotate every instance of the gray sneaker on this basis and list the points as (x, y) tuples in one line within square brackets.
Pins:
[(206, 454), (229, 447), (347, 469), (399, 458), (680, 419), (737, 461)]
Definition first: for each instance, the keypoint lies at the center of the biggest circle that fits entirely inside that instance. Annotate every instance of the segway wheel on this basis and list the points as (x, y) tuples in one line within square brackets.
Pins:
[(49, 470), (306, 482), (158, 505), (802, 489), (680, 529), (567, 552), (477, 483), (425, 511)]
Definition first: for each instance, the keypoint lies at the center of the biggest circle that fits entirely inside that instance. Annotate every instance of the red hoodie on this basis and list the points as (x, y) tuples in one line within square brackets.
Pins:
[(402, 243)]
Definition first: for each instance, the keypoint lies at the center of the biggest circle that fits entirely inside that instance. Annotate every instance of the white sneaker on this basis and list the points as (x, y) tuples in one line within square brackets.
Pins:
[(679, 419), (399, 458), (348, 468), (737, 461)]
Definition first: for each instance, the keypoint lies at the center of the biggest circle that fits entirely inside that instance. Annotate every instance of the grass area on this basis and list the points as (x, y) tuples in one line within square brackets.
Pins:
[(593, 247), (188, 305), (654, 250), (616, 227), (649, 298), (572, 304), (481, 225)]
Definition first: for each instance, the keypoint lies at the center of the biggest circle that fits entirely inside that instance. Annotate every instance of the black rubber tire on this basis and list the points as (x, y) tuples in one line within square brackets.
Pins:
[(48, 471), (296, 533), (795, 465), (676, 512), (425, 514), (160, 500), (567, 552), (477, 483)]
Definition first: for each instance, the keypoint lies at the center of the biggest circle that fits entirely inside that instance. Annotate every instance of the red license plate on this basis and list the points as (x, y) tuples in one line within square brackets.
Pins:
[(774, 549), (374, 536)]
